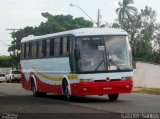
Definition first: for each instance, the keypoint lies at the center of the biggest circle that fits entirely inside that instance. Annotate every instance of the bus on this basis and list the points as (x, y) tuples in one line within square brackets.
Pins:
[(80, 62)]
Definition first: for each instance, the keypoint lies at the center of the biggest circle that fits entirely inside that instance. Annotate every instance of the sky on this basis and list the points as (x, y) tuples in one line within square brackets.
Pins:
[(21, 13)]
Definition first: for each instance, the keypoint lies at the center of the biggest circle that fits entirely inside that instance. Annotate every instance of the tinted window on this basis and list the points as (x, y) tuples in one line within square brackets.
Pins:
[(51, 47), (40, 49), (37, 49), (61, 46), (56, 47), (22, 51), (68, 44), (33, 49), (43, 51), (30, 50), (65, 46), (48, 48), (27, 50)]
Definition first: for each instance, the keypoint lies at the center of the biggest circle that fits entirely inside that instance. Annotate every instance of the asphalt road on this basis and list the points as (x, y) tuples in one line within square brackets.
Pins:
[(15, 99)]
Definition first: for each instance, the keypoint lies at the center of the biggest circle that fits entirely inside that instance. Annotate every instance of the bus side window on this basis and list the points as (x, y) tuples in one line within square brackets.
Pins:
[(33, 49), (68, 45), (48, 48), (37, 49), (40, 48), (22, 51), (43, 51), (27, 50), (56, 47), (65, 46), (61, 46), (30, 50), (52, 47)]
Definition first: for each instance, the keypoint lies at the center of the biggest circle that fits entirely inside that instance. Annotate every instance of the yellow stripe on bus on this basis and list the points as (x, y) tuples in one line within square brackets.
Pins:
[(70, 77)]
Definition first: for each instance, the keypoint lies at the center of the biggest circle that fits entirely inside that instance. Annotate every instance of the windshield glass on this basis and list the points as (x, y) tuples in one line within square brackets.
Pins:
[(104, 53), (91, 58), (118, 52)]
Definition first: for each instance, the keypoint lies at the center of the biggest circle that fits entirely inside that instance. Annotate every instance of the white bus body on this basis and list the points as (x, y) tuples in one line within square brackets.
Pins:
[(86, 61)]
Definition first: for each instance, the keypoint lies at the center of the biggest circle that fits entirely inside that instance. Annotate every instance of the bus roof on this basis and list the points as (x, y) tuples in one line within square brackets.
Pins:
[(80, 32)]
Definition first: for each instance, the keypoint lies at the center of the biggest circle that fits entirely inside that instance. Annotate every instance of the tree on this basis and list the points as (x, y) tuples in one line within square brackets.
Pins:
[(53, 24), (126, 10), (5, 61), (129, 20), (147, 41), (141, 29)]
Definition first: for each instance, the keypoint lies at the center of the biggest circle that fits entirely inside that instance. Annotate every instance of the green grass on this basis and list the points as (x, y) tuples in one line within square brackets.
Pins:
[(153, 91)]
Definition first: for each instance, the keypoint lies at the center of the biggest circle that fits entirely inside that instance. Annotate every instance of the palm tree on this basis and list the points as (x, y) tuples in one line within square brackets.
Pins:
[(126, 10), (148, 15)]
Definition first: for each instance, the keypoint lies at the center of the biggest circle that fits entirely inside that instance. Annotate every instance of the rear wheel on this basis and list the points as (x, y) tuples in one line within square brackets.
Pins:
[(113, 97)]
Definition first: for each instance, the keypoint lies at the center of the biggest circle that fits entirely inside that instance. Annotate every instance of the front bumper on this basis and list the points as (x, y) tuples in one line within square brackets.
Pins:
[(101, 88)]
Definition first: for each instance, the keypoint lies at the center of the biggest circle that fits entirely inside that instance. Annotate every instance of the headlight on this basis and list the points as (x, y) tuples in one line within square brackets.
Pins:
[(85, 80), (127, 78)]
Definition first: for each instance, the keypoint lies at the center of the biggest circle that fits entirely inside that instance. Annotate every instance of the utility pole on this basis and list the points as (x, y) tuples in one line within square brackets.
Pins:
[(98, 18)]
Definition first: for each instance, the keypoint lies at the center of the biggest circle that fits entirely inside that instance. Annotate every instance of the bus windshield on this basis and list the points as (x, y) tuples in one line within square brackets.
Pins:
[(104, 53)]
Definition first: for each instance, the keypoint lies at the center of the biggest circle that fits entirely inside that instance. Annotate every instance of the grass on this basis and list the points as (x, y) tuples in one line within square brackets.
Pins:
[(153, 91)]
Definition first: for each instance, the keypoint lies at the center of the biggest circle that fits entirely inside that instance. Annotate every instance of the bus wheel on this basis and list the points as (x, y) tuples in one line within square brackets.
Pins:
[(65, 89), (113, 97), (35, 92)]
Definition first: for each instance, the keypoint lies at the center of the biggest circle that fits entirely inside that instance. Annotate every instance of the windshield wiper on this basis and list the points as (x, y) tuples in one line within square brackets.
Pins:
[(99, 65)]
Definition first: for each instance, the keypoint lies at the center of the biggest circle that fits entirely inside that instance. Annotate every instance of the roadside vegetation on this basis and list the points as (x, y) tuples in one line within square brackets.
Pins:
[(5, 61), (153, 91)]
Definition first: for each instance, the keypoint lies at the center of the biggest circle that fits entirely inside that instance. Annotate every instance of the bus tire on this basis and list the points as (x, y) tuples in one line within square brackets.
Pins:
[(35, 92), (33, 88), (113, 97), (66, 90)]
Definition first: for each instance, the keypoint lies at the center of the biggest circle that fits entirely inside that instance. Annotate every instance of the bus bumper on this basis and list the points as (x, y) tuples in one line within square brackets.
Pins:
[(101, 88)]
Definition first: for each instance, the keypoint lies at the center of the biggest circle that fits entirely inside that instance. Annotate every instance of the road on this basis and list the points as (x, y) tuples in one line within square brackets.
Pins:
[(15, 99)]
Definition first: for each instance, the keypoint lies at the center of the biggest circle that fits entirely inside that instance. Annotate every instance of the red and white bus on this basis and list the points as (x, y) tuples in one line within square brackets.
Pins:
[(81, 62)]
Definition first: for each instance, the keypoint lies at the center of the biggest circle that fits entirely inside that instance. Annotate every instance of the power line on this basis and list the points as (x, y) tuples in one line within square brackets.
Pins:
[(12, 29), (4, 43)]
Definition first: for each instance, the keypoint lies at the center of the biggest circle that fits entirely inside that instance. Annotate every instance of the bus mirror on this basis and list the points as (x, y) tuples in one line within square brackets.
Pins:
[(134, 64), (101, 48)]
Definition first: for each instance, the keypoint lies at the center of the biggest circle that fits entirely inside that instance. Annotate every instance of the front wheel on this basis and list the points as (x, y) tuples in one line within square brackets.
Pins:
[(65, 89), (34, 91), (113, 97)]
